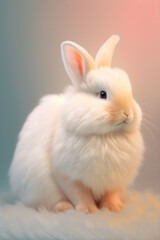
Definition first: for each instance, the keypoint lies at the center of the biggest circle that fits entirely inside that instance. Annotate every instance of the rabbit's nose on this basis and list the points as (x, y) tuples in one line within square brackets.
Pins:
[(126, 114)]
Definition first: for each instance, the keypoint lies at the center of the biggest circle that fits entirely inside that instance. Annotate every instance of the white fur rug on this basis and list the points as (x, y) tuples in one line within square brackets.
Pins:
[(139, 220)]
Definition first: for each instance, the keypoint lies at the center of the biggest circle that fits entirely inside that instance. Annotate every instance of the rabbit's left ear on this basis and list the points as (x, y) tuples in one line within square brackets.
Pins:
[(105, 53), (77, 61)]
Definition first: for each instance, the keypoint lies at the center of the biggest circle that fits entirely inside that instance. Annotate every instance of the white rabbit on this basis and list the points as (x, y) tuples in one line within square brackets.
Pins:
[(83, 148)]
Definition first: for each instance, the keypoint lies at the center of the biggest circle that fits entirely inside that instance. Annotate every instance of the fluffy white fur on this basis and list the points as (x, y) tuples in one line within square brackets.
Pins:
[(139, 220), (76, 146)]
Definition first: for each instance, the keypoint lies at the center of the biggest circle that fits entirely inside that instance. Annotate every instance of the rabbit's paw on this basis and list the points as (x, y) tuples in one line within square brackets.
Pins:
[(115, 206), (86, 208), (62, 206), (112, 201)]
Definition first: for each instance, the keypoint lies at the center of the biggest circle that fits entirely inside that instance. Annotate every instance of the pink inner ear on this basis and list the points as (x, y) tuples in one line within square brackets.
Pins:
[(75, 58)]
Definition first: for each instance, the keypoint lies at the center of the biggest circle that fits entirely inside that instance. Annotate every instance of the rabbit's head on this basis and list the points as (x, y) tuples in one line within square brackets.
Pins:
[(101, 101)]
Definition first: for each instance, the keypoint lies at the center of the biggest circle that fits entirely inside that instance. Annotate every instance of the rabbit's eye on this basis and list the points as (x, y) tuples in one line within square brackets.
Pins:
[(103, 94)]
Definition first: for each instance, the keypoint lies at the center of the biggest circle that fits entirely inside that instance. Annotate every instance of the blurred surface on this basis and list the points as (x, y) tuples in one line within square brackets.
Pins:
[(31, 66), (140, 219)]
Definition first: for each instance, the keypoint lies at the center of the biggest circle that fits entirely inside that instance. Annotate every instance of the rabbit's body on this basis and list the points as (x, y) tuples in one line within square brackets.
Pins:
[(100, 162), (83, 147)]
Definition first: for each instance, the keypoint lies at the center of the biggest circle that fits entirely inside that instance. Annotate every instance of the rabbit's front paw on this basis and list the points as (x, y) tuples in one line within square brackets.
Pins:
[(114, 205), (86, 208), (112, 201), (62, 206)]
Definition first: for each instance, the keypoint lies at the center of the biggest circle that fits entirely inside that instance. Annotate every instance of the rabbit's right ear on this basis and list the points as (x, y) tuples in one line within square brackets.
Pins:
[(77, 61)]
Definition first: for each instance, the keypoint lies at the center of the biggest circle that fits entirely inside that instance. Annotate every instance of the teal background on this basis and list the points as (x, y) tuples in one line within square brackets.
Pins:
[(16, 91), (24, 70), (30, 63)]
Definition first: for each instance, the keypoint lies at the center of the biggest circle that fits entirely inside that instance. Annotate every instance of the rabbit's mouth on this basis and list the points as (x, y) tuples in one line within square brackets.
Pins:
[(123, 122)]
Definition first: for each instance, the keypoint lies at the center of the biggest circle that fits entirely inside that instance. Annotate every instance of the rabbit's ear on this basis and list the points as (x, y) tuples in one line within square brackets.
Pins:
[(105, 53), (77, 61)]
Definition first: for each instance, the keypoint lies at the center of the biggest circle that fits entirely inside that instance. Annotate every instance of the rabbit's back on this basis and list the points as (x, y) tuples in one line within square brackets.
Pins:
[(30, 172)]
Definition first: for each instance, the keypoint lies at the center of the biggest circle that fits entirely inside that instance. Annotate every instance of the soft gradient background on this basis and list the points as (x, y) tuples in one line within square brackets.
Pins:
[(30, 63)]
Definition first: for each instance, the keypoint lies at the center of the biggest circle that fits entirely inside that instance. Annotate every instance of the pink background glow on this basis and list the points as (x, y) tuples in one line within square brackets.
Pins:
[(90, 23)]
